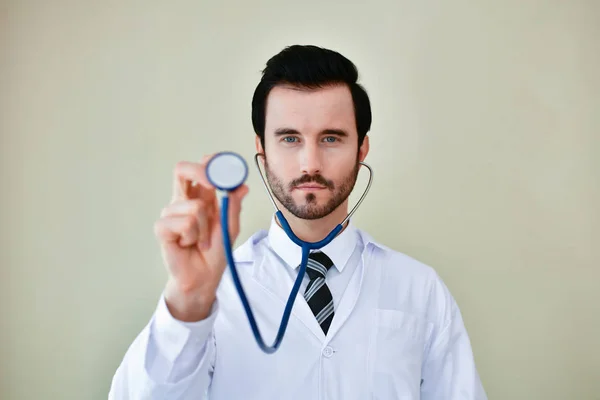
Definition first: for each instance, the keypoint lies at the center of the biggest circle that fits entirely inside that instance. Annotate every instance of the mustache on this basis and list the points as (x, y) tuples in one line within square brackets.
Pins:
[(310, 179)]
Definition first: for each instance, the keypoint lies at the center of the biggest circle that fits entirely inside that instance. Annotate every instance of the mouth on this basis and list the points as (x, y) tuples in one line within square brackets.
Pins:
[(310, 187)]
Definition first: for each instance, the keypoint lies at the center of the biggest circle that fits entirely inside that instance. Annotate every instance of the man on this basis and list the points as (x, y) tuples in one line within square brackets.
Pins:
[(394, 330)]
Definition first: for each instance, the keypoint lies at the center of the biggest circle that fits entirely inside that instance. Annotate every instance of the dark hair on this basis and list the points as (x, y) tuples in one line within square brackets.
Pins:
[(310, 67)]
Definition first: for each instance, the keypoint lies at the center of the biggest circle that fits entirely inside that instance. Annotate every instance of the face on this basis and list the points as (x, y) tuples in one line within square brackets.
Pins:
[(311, 148)]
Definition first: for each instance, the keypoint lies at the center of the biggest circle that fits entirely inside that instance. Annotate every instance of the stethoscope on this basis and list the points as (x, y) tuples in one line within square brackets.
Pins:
[(227, 171)]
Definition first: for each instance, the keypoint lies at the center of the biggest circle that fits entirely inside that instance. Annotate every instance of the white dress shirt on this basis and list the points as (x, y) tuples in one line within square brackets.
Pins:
[(397, 333)]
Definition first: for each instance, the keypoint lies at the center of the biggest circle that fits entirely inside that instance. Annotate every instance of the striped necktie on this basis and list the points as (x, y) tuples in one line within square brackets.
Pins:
[(317, 293)]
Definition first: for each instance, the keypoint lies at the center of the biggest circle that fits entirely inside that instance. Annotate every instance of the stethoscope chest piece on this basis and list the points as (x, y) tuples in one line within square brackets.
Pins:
[(227, 171)]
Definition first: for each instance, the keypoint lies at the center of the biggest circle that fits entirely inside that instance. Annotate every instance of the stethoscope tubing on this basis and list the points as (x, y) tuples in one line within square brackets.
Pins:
[(306, 248)]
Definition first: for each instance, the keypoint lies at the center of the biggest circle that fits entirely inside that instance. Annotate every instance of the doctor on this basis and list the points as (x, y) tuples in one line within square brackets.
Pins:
[(368, 322)]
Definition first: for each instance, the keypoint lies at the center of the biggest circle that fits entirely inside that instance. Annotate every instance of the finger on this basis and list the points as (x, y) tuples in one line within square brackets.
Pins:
[(202, 211), (185, 207), (196, 190), (187, 177), (181, 229)]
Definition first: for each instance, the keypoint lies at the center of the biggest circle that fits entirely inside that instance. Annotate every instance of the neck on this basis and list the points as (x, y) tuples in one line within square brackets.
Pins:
[(316, 229)]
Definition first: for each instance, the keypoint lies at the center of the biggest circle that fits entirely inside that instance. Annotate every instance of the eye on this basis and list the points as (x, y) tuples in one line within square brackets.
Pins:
[(290, 139), (331, 139)]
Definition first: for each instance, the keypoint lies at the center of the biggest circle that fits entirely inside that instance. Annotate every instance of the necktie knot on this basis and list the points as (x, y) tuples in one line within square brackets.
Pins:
[(318, 265)]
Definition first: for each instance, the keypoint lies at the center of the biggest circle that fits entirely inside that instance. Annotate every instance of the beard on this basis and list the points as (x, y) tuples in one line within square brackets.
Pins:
[(311, 209)]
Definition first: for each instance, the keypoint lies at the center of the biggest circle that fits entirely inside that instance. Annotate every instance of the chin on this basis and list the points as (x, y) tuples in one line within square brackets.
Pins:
[(312, 199)]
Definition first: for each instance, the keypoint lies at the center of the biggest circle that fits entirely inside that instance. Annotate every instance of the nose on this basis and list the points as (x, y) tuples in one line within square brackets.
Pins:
[(311, 159)]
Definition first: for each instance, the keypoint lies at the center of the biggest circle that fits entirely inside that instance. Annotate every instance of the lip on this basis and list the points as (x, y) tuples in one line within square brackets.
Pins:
[(310, 187)]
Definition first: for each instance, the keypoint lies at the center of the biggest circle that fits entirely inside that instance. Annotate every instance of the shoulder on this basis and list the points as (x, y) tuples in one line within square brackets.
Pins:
[(246, 251), (395, 263), (423, 290), (244, 255)]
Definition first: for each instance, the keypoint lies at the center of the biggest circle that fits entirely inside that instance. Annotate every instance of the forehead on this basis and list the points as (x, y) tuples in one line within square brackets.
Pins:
[(310, 110)]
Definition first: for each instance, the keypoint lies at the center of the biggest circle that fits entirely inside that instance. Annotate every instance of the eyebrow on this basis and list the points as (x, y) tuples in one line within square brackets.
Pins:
[(291, 131)]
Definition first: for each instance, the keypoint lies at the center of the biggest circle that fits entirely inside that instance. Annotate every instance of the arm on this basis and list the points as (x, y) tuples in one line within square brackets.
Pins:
[(169, 359), (449, 370), (173, 356)]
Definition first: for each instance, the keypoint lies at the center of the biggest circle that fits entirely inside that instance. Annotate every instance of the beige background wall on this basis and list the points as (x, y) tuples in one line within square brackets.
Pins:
[(485, 143)]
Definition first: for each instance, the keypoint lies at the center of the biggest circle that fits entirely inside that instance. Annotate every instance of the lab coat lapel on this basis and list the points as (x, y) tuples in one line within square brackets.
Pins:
[(349, 298), (278, 286)]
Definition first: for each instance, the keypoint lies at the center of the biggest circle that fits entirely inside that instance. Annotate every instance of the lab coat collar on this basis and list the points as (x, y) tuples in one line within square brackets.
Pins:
[(292, 255), (339, 250)]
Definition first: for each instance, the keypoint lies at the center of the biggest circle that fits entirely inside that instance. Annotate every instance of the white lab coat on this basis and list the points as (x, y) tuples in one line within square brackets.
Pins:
[(397, 334)]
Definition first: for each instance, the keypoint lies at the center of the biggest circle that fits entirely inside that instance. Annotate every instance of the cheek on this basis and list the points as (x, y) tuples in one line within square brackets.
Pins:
[(282, 170), (284, 166), (339, 167)]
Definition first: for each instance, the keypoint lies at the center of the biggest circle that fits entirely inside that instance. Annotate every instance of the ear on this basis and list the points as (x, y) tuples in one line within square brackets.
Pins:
[(364, 149), (259, 148)]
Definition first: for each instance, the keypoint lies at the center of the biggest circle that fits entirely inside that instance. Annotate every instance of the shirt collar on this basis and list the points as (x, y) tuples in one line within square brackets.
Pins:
[(339, 250)]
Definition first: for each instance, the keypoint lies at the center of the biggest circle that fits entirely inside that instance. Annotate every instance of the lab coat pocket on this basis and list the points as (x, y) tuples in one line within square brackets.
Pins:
[(397, 343)]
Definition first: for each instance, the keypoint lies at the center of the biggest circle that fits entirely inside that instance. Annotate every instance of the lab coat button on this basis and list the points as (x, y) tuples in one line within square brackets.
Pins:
[(328, 351)]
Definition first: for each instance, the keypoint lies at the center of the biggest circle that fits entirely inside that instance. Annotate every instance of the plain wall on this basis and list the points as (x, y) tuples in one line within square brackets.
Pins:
[(485, 144)]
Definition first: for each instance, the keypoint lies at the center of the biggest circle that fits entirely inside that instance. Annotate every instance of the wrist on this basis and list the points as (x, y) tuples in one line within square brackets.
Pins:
[(188, 306)]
